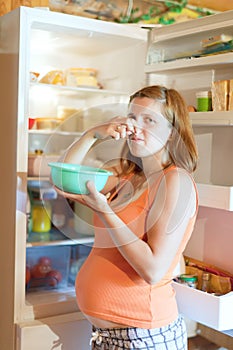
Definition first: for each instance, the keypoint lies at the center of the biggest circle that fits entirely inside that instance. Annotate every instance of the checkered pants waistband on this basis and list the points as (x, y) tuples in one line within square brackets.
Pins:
[(170, 337)]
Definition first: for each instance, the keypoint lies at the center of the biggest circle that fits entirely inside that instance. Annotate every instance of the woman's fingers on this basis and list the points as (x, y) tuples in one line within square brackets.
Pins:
[(121, 129), (73, 196)]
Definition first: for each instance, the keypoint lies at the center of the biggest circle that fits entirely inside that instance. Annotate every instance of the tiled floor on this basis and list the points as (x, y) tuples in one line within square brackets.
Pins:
[(199, 343)]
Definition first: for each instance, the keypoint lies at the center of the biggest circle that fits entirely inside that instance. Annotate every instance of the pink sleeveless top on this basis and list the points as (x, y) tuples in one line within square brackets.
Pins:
[(107, 287)]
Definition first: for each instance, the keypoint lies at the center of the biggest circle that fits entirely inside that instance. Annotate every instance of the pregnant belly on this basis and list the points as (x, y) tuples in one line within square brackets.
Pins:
[(101, 323), (105, 286)]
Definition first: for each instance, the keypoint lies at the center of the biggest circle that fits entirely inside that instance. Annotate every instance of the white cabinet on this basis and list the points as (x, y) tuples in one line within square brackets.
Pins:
[(174, 59), (39, 41)]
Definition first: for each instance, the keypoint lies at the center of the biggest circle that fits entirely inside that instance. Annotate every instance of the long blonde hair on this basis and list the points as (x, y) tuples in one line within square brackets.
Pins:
[(181, 147)]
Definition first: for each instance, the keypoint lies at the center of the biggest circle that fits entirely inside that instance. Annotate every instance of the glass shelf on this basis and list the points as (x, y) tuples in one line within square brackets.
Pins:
[(196, 64), (82, 91), (56, 237), (221, 118)]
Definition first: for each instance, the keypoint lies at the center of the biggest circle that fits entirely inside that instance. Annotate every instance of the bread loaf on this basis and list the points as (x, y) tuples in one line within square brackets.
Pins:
[(220, 95), (230, 105)]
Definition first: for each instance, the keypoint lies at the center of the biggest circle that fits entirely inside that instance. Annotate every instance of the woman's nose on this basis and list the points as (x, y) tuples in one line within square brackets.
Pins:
[(139, 124)]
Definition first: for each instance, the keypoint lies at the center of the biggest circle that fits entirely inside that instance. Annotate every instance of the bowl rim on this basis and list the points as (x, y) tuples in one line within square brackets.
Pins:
[(70, 167)]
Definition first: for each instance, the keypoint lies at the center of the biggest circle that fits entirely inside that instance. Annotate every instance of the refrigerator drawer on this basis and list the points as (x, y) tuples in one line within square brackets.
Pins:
[(213, 311), (70, 331)]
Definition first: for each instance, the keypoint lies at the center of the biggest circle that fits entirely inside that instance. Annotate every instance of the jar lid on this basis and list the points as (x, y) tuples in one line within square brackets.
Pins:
[(200, 94), (188, 278)]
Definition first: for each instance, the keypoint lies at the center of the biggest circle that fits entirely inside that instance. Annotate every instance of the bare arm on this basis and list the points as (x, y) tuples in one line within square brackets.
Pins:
[(166, 225), (78, 150)]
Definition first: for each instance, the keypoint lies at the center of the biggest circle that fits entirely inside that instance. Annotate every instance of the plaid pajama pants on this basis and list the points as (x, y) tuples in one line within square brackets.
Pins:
[(171, 337)]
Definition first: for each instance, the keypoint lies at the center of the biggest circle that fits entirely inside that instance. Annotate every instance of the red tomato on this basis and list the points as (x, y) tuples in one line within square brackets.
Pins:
[(28, 275), (40, 271), (45, 260), (54, 277)]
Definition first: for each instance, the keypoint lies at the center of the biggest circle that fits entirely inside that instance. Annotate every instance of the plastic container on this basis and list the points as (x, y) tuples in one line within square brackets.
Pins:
[(49, 267), (204, 101), (47, 123), (81, 77)]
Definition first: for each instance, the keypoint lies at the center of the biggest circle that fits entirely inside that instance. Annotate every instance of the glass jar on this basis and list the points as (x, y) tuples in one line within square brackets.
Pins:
[(205, 286), (189, 280), (204, 101)]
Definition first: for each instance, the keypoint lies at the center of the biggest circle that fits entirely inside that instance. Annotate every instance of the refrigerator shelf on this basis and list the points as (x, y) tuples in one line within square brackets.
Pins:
[(81, 240), (43, 304), (65, 236), (81, 91), (220, 118), (215, 196), (196, 64), (54, 131), (213, 311)]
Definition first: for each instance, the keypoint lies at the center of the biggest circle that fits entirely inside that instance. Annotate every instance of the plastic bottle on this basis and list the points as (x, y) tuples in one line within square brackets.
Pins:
[(41, 216)]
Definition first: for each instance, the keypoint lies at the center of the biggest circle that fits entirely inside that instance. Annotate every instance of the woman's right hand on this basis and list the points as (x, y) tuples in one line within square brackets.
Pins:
[(117, 128)]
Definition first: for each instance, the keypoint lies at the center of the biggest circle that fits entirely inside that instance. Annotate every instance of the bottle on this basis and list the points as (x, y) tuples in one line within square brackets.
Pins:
[(205, 286), (41, 216)]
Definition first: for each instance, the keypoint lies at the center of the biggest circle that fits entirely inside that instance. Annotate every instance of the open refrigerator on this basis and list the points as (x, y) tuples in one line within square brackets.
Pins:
[(60, 75)]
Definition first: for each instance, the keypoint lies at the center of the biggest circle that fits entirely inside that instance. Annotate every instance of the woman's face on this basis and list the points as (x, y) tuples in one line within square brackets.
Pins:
[(152, 130)]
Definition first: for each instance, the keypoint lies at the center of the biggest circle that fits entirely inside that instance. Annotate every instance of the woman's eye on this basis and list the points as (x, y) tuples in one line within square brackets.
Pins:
[(149, 120), (130, 116)]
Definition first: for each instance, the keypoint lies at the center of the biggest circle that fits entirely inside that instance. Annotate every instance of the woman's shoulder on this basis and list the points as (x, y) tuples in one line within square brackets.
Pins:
[(179, 184), (174, 173)]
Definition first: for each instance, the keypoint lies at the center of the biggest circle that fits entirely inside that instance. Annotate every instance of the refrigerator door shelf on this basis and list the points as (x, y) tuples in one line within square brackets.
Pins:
[(214, 311)]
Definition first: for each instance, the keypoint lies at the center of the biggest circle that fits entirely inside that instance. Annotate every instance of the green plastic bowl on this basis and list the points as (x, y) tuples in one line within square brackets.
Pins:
[(73, 177)]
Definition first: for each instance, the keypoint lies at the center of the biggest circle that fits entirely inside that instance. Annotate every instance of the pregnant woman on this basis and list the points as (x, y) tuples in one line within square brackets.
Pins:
[(143, 220)]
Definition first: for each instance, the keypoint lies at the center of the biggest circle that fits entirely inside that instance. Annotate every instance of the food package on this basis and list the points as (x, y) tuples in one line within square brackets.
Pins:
[(56, 77), (230, 105), (221, 281), (100, 9), (220, 95), (218, 284), (47, 123), (83, 77)]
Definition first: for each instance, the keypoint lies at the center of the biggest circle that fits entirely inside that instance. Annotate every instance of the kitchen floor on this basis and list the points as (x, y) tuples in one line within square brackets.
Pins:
[(200, 343)]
